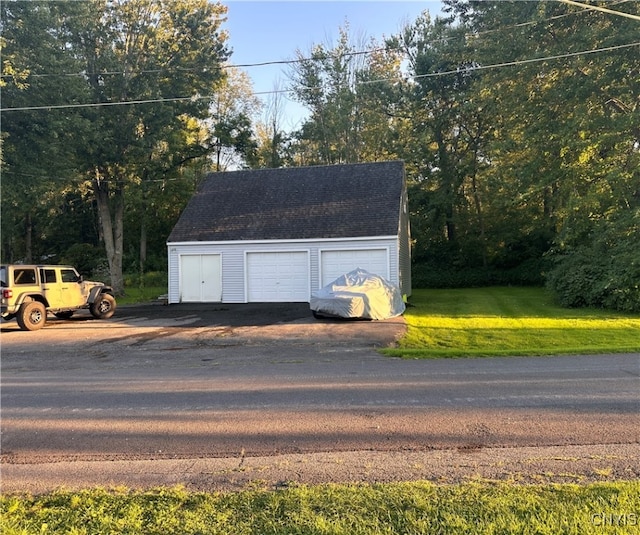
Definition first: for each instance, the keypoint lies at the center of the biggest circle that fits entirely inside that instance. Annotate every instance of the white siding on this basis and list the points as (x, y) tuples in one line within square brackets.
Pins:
[(335, 263), (234, 268)]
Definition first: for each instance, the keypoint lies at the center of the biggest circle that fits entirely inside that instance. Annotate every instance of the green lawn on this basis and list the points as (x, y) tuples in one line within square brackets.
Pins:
[(134, 295), (509, 321), (401, 508)]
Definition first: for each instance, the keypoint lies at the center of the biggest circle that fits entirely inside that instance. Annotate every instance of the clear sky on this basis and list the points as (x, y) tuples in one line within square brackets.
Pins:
[(262, 31)]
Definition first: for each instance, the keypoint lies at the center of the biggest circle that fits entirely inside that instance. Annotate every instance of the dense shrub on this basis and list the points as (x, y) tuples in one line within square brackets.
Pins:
[(433, 275), (576, 279), (598, 277), (85, 257)]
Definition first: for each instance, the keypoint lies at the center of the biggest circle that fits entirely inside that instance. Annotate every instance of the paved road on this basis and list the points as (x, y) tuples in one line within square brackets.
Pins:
[(246, 381)]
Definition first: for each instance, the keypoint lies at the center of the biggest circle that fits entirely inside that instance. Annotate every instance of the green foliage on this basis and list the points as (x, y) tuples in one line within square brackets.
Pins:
[(37, 153), (95, 53), (433, 275), (352, 103), (526, 167), (149, 279), (142, 294), (86, 258), (604, 272), (577, 280), (509, 321), (417, 508), (584, 278), (144, 288), (519, 162)]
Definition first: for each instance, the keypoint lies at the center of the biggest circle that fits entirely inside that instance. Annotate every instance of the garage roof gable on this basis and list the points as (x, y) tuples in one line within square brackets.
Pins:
[(335, 201)]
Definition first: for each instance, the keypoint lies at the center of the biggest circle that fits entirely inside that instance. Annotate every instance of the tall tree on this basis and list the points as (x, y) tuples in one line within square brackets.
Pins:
[(567, 153), (37, 155), (231, 111), (449, 128), (147, 50), (343, 86), (148, 69), (272, 141)]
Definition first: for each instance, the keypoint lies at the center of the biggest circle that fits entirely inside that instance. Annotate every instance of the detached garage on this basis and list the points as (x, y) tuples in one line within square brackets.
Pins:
[(277, 235)]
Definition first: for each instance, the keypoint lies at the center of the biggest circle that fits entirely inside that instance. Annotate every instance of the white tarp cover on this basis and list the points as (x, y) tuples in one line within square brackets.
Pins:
[(359, 294)]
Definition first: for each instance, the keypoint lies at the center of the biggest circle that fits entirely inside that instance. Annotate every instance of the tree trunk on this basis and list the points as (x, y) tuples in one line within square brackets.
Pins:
[(112, 230), (478, 204), (447, 173), (143, 246), (28, 238)]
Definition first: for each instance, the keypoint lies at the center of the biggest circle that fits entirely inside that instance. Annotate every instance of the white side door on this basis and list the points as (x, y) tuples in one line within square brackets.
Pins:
[(201, 278)]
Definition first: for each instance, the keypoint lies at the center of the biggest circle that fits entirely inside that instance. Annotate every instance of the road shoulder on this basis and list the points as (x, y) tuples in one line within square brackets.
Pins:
[(523, 465)]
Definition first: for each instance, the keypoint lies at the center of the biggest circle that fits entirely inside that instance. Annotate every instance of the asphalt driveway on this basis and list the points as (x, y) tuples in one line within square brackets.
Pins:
[(208, 324)]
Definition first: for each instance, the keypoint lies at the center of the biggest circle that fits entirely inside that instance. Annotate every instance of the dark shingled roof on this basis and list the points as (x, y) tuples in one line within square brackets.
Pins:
[(334, 201)]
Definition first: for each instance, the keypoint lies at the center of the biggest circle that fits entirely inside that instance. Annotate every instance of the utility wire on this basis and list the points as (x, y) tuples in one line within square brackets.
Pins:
[(524, 61), (81, 178), (221, 67), (345, 54), (600, 8), (106, 104), (414, 77)]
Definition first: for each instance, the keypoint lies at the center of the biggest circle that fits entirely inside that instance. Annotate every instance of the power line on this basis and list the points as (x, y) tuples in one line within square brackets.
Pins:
[(221, 67), (345, 54), (105, 104), (81, 178), (531, 22), (600, 8), (526, 61), (414, 77)]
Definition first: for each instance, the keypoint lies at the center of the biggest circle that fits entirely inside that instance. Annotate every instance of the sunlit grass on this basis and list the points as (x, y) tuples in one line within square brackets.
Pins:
[(399, 508), (509, 321)]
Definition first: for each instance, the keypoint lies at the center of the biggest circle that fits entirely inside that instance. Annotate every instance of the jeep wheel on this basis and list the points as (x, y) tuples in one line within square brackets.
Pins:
[(31, 316), (103, 307)]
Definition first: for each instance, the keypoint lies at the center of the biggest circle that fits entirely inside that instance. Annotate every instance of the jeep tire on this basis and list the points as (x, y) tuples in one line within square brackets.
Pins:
[(103, 307), (31, 316)]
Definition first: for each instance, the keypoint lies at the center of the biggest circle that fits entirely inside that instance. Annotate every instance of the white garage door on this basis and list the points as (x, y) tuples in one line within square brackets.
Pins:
[(278, 277), (200, 278), (336, 263)]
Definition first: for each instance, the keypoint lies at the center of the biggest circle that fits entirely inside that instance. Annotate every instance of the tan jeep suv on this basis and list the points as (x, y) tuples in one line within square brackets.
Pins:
[(29, 292)]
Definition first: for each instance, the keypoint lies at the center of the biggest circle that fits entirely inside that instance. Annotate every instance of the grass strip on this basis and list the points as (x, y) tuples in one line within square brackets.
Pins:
[(501, 321), (416, 508), (134, 295)]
